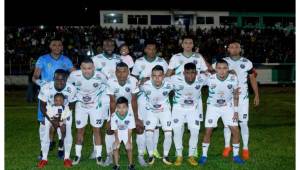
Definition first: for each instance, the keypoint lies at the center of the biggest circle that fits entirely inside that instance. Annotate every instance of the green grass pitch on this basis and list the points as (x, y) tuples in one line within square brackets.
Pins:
[(272, 137)]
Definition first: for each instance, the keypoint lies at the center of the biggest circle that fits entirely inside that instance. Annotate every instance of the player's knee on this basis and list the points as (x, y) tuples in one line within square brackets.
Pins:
[(109, 132), (139, 130)]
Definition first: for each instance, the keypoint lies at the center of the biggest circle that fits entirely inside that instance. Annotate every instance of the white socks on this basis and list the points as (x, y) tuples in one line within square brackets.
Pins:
[(167, 142), (58, 133), (156, 137), (245, 134), (141, 143), (227, 136), (68, 141), (149, 142), (178, 140), (98, 149), (193, 142), (205, 149), (236, 148), (78, 149), (109, 141)]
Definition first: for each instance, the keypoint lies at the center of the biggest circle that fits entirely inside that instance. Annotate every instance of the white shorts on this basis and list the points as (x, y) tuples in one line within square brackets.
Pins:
[(48, 125), (181, 115), (213, 114), (243, 109), (153, 120), (96, 116)]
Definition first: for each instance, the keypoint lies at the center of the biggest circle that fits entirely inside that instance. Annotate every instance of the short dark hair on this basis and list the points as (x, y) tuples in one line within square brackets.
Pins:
[(150, 42), (87, 60), (233, 41), (221, 61), (121, 64), (59, 95), (57, 38), (108, 40), (158, 68), (123, 45), (122, 100), (190, 66), (61, 72), (187, 37)]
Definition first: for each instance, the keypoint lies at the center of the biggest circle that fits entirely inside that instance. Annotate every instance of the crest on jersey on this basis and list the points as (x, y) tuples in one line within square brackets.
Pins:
[(175, 120), (49, 65), (103, 64), (165, 93), (116, 121), (244, 60), (86, 98), (197, 87), (127, 122), (147, 122), (127, 89), (242, 66), (78, 83), (95, 85), (210, 121), (229, 86), (78, 122), (197, 122), (195, 62)]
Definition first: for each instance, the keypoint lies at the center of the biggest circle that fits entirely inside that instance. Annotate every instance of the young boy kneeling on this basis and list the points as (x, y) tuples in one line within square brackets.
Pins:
[(122, 123)]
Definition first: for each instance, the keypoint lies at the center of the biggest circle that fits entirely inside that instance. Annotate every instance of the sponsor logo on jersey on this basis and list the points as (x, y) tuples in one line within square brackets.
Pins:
[(242, 66), (127, 122), (86, 98), (147, 122)]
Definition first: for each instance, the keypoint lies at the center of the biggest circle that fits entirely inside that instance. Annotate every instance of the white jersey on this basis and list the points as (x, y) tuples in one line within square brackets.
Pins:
[(221, 91), (188, 95), (126, 90), (48, 91), (122, 123), (241, 67), (178, 61), (106, 65), (143, 68), (157, 99), (89, 91)]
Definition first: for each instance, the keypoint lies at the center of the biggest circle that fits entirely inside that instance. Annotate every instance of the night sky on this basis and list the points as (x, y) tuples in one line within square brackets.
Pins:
[(67, 12)]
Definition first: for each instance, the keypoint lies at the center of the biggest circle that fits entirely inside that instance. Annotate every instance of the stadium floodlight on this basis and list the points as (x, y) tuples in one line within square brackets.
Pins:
[(42, 27), (114, 21), (112, 14)]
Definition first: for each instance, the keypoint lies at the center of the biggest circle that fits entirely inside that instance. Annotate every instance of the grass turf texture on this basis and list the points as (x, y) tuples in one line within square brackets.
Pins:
[(272, 137)]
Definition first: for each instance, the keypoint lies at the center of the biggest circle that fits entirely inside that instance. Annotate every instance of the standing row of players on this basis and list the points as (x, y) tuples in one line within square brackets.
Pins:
[(103, 85)]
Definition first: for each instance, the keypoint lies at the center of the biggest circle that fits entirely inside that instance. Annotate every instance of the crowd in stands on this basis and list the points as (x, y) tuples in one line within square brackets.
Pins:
[(23, 45)]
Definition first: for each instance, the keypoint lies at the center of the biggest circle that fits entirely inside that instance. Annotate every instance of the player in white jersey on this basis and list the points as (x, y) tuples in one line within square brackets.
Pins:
[(46, 96), (187, 107), (244, 69), (122, 123), (222, 102), (90, 85), (142, 71), (106, 63), (177, 62), (156, 91), (126, 86)]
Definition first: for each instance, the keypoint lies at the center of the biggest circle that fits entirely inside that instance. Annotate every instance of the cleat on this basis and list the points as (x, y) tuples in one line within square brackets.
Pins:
[(99, 161), (142, 161), (60, 154), (116, 167), (178, 161), (202, 160), (167, 161), (151, 160), (108, 161), (156, 154), (67, 163), (93, 155), (131, 167), (196, 153), (51, 146), (42, 164), (226, 151), (76, 160), (145, 152), (246, 154), (238, 160), (192, 161)]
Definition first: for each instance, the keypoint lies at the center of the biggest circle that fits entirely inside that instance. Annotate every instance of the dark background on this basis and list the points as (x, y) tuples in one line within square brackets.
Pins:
[(67, 12)]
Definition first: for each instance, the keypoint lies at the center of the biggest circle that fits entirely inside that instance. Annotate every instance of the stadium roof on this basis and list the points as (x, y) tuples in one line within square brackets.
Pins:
[(59, 12)]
